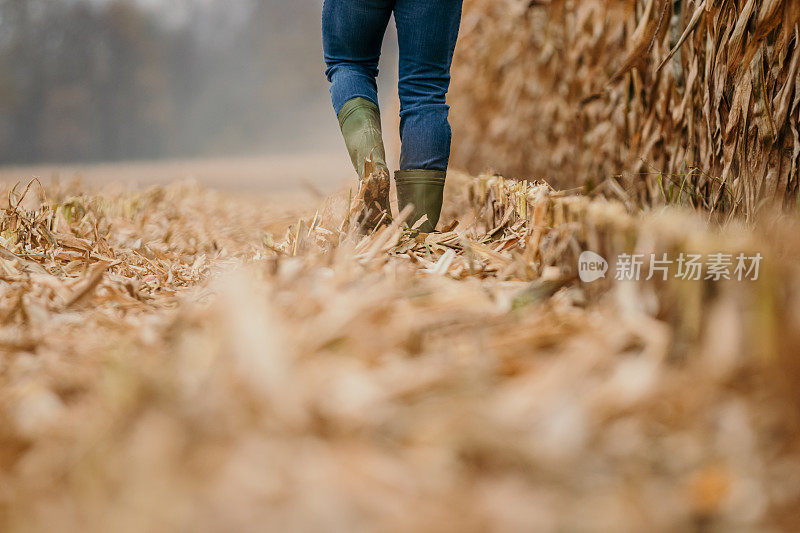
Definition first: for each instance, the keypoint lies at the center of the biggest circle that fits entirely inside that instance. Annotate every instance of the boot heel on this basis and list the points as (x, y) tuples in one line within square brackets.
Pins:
[(424, 189)]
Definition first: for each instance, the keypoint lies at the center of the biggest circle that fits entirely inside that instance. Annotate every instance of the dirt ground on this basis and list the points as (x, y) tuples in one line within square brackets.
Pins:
[(288, 173)]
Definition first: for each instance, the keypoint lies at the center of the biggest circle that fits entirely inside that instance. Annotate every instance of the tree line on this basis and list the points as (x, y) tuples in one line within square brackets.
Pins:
[(83, 81)]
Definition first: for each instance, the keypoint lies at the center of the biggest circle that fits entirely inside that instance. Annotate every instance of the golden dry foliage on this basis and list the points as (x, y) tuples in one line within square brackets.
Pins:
[(688, 100), (166, 365)]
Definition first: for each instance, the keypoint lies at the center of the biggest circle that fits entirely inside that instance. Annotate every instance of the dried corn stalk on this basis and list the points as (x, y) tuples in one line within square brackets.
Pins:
[(692, 101)]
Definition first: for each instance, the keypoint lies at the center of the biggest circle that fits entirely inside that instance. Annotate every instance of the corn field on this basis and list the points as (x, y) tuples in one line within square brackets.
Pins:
[(178, 358)]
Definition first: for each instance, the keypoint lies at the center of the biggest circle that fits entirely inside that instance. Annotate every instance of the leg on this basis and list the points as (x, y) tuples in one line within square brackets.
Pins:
[(427, 33), (352, 33)]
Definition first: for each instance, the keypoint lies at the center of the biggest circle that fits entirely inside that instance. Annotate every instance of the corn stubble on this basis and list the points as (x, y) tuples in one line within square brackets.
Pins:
[(675, 101), (166, 364)]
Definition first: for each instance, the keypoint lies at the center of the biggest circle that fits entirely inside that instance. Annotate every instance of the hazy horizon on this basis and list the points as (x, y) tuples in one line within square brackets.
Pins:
[(108, 80)]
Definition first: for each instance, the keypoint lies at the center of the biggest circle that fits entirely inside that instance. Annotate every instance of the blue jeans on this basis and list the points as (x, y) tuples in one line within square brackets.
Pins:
[(352, 33)]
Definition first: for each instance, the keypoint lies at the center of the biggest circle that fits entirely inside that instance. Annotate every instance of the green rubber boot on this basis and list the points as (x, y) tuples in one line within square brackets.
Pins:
[(424, 189), (360, 121)]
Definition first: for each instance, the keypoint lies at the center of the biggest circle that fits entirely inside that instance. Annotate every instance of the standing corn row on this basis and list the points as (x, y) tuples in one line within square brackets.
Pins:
[(692, 101)]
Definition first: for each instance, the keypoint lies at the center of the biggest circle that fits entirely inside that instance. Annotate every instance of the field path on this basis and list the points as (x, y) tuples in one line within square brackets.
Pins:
[(173, 358)]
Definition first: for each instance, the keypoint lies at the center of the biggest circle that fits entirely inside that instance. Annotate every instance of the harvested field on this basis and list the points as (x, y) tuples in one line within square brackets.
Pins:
[(179, 359)]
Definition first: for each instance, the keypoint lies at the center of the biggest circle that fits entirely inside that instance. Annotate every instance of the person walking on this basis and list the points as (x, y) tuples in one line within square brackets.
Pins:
[(427, 30)]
